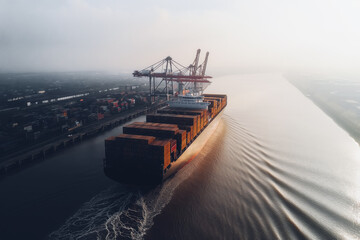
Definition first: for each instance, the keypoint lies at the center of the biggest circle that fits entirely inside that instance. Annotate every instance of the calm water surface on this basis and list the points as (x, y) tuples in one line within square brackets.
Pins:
[(277, 167)]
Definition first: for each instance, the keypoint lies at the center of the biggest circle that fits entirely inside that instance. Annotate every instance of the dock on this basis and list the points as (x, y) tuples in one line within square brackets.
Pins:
[(21, 161)]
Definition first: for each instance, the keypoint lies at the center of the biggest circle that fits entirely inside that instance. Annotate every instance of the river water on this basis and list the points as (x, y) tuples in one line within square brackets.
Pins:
[(276, 167)]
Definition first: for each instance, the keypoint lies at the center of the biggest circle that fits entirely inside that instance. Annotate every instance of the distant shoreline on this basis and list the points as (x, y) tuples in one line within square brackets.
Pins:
[(343, 118)]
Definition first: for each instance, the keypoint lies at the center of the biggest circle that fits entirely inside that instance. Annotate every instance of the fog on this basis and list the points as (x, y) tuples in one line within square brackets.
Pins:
[(241, 36)]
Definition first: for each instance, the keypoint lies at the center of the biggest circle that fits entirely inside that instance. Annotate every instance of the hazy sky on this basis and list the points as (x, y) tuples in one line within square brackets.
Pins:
[(242, 36)]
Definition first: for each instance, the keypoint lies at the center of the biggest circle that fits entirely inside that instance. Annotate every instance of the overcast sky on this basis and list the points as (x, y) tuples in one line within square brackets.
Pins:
[(242, 36)]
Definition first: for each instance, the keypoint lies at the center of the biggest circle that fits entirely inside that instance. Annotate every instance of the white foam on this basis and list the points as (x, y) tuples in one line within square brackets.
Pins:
[(117, 213)]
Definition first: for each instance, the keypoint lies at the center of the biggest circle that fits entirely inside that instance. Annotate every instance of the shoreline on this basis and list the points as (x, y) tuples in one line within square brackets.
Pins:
[(21, 161), (334, 111)]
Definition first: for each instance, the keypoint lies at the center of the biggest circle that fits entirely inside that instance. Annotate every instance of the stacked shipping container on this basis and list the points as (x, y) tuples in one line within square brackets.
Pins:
[(146, 149)]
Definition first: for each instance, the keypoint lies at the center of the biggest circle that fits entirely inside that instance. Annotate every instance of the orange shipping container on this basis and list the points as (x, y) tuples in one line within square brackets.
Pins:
[(188, 137), (161, 148)]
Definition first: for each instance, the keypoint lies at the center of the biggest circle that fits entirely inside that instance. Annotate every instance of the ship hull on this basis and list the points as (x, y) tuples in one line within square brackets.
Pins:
[(194, 148)]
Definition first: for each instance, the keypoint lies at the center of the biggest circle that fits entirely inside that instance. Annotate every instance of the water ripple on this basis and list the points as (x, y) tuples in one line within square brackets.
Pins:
[(280, 200)]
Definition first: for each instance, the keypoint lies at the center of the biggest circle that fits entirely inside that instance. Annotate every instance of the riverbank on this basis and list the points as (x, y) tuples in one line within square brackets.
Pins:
[(340, 102), (22, 160)]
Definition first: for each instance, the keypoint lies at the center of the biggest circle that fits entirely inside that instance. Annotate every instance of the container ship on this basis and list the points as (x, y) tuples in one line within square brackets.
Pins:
[(149, 152)]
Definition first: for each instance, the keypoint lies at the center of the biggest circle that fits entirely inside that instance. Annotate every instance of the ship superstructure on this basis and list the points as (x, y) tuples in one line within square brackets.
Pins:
[(189, 101)]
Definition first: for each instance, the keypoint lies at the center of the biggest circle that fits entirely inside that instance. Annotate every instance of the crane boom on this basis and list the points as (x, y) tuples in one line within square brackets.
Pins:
[(196, 62), (170, 71), (204, 64)]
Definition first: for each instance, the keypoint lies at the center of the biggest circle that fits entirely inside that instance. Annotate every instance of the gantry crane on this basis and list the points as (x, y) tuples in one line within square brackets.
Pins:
[(165, 72)]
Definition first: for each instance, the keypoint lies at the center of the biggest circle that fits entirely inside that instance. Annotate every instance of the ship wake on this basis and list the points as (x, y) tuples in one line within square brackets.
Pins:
[(119, 212)]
